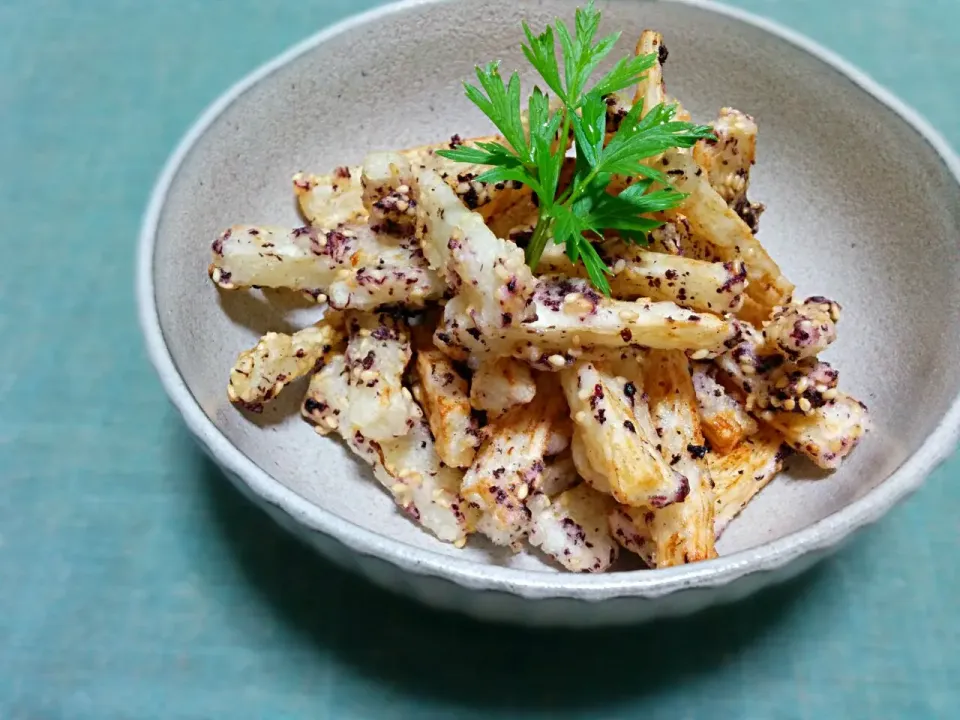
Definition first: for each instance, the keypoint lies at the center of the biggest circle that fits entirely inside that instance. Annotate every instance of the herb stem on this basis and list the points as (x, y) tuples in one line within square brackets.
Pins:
[(541, 233), (564, 138)]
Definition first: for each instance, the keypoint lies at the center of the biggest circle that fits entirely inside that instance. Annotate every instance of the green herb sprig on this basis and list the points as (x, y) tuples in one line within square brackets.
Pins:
[(534, 157)]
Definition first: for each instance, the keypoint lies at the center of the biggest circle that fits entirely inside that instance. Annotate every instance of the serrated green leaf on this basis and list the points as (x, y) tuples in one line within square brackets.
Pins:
[(485, 153), (548, 162), (502, 174), (501, 104), (597, 269), (636, 237), (593, 58), (626, 73), (649, 202), (567, 230), (631, 224), (636, 188), (473, 156), (589, 128), (586, 21), (652, 173), (541, 52), (585, 209), (538, 110), (571, 58)]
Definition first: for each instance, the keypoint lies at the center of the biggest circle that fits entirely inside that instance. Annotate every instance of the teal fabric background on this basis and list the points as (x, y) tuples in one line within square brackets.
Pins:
[(135, 583)]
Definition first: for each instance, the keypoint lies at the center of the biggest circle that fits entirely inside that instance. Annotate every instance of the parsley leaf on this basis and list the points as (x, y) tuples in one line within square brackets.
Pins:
[(570, 229), (627, 72), (501, 104), (589, 128), (542, 54), (534, 155)]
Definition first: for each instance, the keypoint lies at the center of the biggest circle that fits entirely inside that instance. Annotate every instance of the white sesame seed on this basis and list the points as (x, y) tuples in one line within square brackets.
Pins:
[(322, 241), (700, 355), (572, 297), (277, 387), (557, 360), (319, 430), (619, 266), (331, 422), (782, 382), (463, 188), (342, 274), (321, 298), (215, 275), (789, 404), (821, 388), (460, 542), (403, 189), (802, 384), (369, 375), (805, 405), (402, 205), (748, 369), (628, 315), (830, 394), (580, 417), (364, 332), (523, 492)]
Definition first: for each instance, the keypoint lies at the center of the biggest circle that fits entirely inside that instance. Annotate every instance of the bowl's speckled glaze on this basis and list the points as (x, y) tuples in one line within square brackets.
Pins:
[(863, 206)]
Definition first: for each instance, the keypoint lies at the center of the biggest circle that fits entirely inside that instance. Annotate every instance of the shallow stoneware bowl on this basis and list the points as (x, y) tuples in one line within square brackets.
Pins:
[(863, 206)]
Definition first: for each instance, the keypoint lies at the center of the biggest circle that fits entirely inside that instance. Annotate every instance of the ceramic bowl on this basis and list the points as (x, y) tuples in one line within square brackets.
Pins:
[(863, 206)]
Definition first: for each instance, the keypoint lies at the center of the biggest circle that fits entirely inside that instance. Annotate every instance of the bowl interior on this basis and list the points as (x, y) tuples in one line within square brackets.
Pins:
[(860, 208)]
